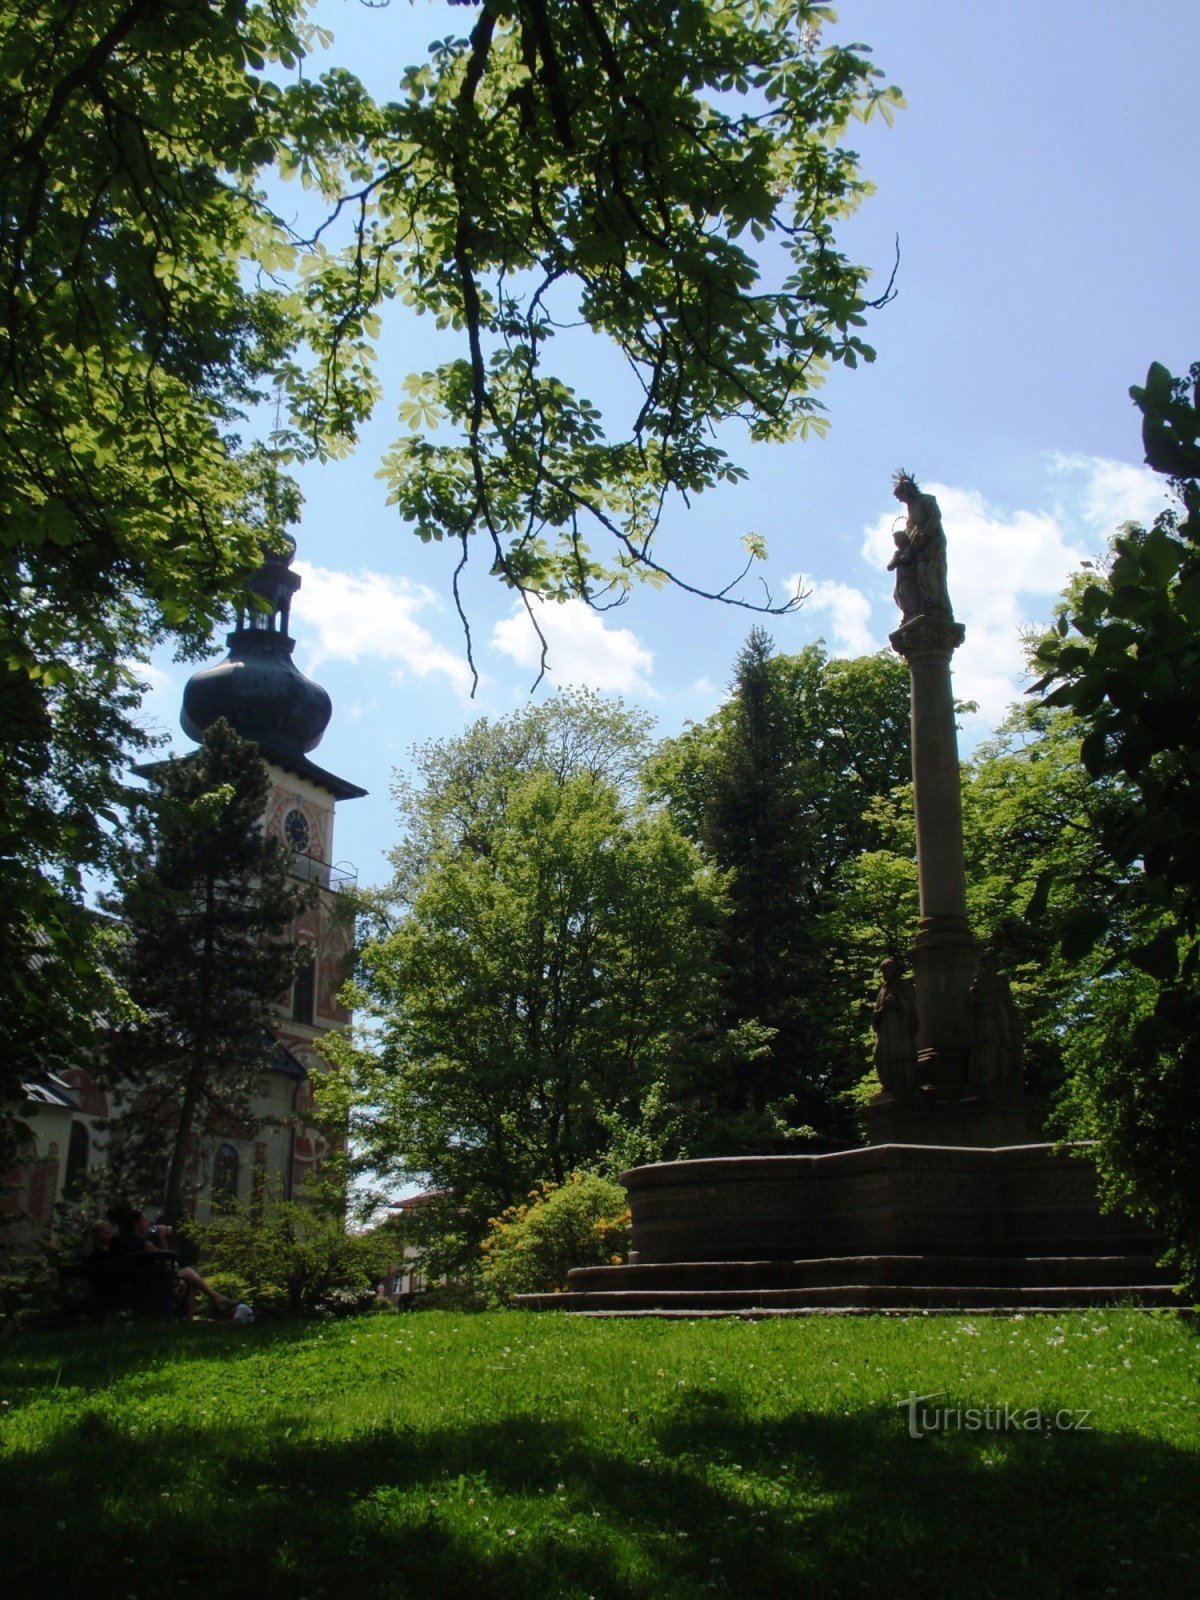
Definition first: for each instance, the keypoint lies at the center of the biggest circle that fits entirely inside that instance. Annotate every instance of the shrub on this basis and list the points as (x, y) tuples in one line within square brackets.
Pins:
[(531, 1248), (294, 1261)]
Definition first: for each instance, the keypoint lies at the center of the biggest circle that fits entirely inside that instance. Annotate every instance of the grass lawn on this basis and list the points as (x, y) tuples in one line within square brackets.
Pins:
[(516, 1455)]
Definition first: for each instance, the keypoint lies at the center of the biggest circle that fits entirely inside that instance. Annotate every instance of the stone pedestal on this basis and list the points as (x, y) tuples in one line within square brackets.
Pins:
[(891, 1227), (944, 956), (963, 1120), (945, 1102), (883, 1199)]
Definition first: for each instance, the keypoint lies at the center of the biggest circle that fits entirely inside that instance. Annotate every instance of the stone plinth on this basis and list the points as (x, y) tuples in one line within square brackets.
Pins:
[(963, 1119), (883, 1229), (879, 1200)]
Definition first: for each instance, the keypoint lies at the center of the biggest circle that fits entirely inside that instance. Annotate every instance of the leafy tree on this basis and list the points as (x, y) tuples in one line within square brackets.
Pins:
[(550, 973), (1125, 657), (668, 175), (565, 163), (464, 784), (777, 788), (132, 335), (205, 900)]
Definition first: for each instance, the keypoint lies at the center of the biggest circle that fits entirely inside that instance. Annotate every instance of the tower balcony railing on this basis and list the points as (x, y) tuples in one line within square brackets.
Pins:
[(311, 869)]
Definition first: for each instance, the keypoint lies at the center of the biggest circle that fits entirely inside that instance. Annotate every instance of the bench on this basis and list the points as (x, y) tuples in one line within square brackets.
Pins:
[(143, 1284)]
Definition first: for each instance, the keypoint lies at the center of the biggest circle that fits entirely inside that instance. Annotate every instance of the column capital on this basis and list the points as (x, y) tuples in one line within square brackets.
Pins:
[(932, 633)]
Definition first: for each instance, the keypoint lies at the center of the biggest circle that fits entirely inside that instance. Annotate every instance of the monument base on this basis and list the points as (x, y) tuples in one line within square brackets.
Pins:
[(886, 1227), (971, 1121)]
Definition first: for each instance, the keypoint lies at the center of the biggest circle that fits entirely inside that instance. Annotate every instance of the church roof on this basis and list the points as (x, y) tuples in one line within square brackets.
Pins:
[(339, 788)]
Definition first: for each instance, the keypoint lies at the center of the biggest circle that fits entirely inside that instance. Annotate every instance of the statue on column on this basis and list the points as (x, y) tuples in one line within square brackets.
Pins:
[(920, 559), (996, 1052), (895, 1025)]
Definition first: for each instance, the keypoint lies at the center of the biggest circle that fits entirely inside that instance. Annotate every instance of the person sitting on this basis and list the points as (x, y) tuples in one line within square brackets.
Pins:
[(135, 1238), (100, 1265)]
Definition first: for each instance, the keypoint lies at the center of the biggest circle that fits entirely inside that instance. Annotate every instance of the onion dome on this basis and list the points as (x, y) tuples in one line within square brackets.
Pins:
[(257, 688)]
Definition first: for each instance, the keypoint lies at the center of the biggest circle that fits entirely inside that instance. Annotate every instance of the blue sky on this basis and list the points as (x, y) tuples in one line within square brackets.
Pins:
[(1044, 185)]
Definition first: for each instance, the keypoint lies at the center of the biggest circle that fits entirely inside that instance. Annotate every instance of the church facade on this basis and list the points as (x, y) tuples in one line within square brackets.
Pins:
[(260, 692)]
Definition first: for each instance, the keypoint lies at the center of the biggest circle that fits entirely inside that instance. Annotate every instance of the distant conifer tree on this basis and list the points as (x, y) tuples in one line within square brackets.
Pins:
[(205, 901)]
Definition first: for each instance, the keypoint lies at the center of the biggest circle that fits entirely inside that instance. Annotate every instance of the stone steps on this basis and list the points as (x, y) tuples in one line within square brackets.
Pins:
[(849, 1298), (861, 1284), (828, 1271)]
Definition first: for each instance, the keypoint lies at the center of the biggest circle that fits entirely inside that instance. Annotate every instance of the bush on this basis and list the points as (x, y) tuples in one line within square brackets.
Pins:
[(30, 1293), (296, 1260), (531, 1248)]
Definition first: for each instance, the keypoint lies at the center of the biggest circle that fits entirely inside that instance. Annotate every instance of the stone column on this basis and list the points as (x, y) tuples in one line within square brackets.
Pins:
[(945, 957)]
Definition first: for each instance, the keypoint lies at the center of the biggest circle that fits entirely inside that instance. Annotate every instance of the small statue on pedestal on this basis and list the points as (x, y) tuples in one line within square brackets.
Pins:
[(920, 559), (895, 1025), (996, 1052)]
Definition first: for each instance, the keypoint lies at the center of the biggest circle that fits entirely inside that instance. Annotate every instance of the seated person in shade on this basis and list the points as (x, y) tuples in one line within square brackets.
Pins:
[(135, 1237), (98, 1242)]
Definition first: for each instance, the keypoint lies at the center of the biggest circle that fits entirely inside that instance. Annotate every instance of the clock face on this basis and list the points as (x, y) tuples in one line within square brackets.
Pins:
[(295, 830)]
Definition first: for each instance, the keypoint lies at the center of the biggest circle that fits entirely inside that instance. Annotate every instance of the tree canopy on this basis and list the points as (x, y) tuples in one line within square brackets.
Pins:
[(133, 333), (778, 788), (666, 176), (1124, 658), (547, 977)]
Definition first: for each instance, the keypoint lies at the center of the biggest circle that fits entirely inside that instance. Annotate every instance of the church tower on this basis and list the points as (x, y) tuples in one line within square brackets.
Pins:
[(262, 694)]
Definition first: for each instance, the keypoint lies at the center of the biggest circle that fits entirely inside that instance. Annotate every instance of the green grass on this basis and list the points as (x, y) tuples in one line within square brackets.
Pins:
[(513, 1455)]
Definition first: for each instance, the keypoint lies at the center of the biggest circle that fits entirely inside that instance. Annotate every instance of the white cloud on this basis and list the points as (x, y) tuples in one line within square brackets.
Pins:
[(347, 616), (1106, 493), (847, 608), (1006, 568), (162, 696), (583, 649)]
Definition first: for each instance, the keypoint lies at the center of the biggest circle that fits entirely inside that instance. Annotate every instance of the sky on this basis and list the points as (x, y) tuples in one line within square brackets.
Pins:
[(1043, 185)]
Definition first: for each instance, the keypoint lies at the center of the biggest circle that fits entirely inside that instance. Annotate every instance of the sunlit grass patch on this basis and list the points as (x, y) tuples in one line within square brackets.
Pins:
[(509, 1454)]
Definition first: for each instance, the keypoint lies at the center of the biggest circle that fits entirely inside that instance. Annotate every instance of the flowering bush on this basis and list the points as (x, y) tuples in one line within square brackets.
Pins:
[(530, 1249)]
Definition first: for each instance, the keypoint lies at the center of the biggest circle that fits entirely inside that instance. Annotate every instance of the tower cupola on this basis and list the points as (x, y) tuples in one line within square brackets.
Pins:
[(258, 688)]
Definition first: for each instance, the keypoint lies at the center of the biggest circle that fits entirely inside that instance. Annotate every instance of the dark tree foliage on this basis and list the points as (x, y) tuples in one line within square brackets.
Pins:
[(205, 901), (131, 335), (777, 788), (1125, 658)]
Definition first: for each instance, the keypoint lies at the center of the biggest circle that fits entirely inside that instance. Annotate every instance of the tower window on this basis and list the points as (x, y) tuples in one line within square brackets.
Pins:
[(78, 1149), (304, 990), (225, 1172)]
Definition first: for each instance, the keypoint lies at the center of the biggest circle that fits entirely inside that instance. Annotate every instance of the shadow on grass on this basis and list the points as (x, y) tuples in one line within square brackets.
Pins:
[(93, 1356), (843, 1505)]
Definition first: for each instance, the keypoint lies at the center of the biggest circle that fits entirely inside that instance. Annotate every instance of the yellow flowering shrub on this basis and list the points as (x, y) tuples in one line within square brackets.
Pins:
[(529, 1249)]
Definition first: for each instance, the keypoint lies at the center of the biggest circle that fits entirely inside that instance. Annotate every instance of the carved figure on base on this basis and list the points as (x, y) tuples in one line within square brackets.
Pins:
[(906, 593), (996, 1052), (895, 1024)]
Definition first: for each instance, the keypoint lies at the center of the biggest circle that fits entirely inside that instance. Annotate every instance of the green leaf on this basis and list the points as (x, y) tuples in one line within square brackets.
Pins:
[(1081, 932), (1159, 956)]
